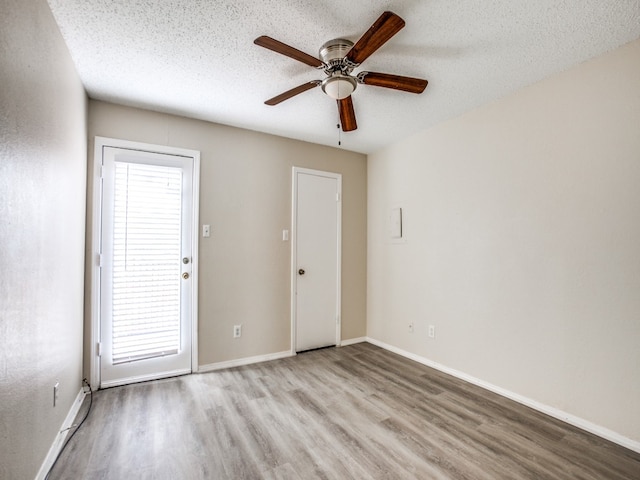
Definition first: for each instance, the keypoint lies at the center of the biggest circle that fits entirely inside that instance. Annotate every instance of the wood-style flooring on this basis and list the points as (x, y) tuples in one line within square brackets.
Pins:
[(356, 412)]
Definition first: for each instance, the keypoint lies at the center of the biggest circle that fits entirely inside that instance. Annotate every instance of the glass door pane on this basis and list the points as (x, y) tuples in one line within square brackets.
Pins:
[(146, 262)]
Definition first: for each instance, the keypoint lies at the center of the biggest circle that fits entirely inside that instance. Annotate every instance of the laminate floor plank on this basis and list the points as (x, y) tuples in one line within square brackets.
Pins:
[(356, 412)]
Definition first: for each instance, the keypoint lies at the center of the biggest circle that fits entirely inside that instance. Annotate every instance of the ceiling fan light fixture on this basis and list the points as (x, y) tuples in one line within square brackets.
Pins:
[(338, 58), (339, 86)]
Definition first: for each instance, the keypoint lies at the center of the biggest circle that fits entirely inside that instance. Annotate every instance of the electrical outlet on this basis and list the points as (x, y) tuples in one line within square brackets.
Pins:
[(411, 327), (55, 393), (237, 331), (432, 331)]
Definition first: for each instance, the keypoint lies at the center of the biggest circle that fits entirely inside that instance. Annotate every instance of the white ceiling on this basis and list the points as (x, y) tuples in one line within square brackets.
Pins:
[(197, 58)]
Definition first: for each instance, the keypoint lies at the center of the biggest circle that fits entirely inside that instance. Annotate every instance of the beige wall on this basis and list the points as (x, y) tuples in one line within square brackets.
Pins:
[(42, 212), (523, 243), (245, 195)]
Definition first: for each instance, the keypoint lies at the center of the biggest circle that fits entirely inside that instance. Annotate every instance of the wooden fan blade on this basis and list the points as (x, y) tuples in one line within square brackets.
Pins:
[(284, 49), (382, 30), (347, 114), (292, 93), (397, 82)]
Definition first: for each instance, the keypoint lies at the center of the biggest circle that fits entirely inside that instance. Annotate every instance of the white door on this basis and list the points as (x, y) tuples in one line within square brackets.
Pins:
[(146, 265), (316, 259)]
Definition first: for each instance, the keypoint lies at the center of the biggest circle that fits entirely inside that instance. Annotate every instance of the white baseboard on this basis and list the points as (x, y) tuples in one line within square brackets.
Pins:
[(58, 442), (546, 409), (264, 358), (244, 361)]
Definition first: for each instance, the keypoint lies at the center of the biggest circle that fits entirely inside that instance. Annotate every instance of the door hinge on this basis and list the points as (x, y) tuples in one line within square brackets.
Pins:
[(337, 319), (99, 349), (337, 197), (99, 260)]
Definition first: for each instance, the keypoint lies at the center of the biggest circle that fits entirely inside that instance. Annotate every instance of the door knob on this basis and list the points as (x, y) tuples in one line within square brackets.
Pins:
[(185, 275), (301, 271)]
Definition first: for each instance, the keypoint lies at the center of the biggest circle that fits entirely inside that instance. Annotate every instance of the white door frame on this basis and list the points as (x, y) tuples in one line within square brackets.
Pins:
[(294, 259), (96, 240)]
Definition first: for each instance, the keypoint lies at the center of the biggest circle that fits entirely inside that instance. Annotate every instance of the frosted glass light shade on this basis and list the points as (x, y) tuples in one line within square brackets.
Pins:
[(339, 86)]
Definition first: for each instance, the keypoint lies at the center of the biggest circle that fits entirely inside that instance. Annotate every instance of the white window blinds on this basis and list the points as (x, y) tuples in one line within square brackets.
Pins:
[(146, 263)]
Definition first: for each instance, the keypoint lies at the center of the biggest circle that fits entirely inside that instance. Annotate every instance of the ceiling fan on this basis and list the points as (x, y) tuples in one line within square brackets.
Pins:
[(338, 59)]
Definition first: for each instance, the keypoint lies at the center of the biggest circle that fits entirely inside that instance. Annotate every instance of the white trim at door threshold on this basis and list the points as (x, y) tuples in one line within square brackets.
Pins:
[(58, 442), (244, 361), (145, 378)]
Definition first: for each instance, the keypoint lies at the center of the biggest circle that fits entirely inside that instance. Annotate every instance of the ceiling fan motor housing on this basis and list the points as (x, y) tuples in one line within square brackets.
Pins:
[(333, 52)]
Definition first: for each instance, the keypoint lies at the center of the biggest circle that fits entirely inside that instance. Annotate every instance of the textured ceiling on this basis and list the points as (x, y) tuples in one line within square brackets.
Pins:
[(197, 58)]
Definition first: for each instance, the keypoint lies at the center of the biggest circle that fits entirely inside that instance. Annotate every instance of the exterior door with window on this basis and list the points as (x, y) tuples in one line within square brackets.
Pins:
[(146, 265)]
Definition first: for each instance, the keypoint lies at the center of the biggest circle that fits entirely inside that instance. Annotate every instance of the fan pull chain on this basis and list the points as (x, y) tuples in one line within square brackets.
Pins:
[(339, 134)]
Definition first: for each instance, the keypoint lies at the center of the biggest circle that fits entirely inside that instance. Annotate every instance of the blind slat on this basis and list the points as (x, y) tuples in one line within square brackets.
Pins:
[(146, 262)]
